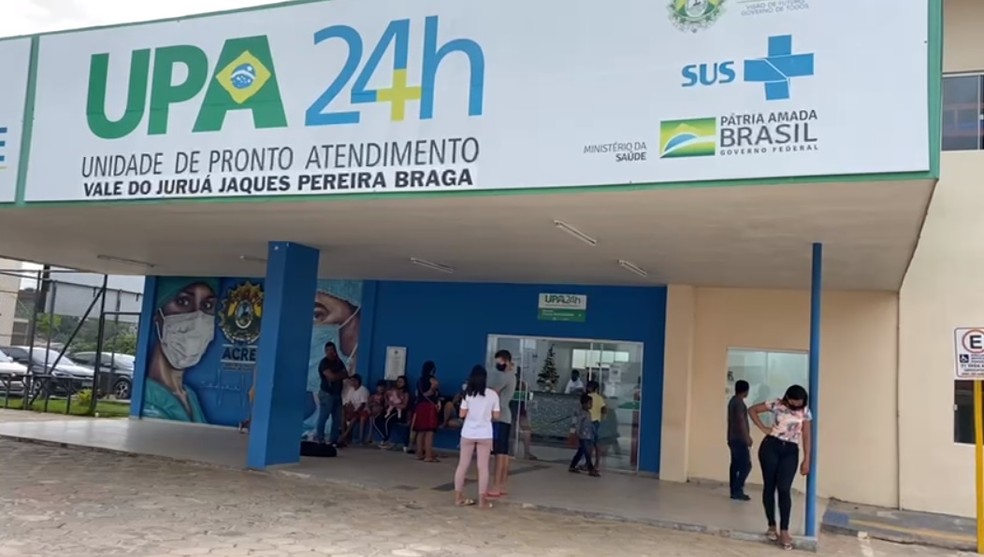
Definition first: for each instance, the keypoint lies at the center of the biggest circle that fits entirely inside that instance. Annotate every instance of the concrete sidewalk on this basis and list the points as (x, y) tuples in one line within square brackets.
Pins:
[(905, 527)]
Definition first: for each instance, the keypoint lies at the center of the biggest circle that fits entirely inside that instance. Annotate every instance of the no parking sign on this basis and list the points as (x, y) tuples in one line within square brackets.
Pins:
[(969, 344)]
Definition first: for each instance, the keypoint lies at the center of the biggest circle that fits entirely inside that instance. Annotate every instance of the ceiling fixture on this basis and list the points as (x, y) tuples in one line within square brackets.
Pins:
[(632, 267), (252, 259), (431, 265), (575, 232), (125, 261)]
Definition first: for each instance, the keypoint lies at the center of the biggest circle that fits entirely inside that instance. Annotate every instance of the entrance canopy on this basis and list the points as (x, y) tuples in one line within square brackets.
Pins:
[(749, 236)]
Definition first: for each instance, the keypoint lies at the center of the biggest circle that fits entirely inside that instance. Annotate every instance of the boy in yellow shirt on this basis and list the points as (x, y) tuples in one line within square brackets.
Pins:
[(598, 410)]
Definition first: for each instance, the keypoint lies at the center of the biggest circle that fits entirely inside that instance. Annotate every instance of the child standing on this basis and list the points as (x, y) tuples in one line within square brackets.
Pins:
[(583, 428)]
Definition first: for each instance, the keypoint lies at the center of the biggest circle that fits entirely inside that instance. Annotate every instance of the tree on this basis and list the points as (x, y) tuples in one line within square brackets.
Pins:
[(547, 379)]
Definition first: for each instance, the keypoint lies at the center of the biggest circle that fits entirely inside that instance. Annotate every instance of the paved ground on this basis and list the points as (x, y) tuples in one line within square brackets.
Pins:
[(56, 501)]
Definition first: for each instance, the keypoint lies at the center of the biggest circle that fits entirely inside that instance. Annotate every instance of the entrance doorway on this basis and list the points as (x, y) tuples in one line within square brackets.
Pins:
[(546, 397)]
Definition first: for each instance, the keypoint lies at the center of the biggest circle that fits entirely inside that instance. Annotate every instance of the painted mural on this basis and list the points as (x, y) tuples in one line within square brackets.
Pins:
[(202, 354)]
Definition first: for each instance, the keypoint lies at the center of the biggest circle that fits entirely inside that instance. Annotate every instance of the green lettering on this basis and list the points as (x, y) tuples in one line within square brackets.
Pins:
[(164, 92), (99, 123), (244, 79)]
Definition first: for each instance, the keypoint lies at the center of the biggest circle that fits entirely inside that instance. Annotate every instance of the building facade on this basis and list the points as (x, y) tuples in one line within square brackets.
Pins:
[(636, 206)]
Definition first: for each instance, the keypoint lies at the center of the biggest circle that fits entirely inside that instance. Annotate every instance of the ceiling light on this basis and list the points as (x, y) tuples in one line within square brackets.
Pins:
[(575, 232), (125, 261), (632, 267), (431, 265), (252, 259)]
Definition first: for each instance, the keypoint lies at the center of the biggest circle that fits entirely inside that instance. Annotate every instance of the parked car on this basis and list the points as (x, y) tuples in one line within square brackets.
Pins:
[(115, 372), (41, 361), (11, 376)]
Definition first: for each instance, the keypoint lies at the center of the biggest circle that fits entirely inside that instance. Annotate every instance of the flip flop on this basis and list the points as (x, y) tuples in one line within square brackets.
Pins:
[(465, 503), (494, 495), (432, 461)]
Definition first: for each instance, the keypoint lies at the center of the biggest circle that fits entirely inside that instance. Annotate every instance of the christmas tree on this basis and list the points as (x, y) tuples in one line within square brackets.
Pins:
[(548, 375)]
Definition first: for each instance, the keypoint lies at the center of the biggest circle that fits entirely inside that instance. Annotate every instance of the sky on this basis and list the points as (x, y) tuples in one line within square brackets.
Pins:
[(24, 17)]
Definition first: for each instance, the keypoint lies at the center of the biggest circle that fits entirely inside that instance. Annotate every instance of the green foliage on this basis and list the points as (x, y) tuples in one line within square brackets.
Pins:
[(84, 398), (120, 338)]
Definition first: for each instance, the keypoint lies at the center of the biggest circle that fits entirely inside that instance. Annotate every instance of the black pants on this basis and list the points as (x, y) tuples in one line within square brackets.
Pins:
[(585, 449), (383, 425), (741, 466), (779, 461)]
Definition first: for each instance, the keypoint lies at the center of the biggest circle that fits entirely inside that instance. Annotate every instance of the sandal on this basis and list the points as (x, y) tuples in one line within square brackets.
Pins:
[(432, 460), (772, 536), (786, 542), (464, 502), (484, 502)]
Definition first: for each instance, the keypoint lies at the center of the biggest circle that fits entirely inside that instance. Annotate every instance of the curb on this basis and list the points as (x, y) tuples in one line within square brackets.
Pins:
[(802, 543), (838, 523)]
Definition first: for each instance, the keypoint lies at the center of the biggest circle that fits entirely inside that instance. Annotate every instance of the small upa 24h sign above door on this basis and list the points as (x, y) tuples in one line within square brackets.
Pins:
[(563, 307), (969, 345)]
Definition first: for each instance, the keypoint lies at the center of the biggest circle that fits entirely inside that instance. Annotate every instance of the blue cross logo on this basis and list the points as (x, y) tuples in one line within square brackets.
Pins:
[(778, 68)]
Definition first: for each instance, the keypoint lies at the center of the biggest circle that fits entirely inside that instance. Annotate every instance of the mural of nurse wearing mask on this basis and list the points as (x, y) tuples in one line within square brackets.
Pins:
[(184, 322)]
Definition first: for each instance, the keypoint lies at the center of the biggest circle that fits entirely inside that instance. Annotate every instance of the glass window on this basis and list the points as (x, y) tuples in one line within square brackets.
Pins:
[(963, 412), (583, 359), (962, 113), (769, 373)]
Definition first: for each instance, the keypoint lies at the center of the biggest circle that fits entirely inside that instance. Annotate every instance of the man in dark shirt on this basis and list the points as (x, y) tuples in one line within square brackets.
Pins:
[(333, 375), (739, 441)]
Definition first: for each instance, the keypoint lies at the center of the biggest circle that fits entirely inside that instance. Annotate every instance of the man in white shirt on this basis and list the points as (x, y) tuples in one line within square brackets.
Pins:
[(574, 386), (356, 403), (502, 381)]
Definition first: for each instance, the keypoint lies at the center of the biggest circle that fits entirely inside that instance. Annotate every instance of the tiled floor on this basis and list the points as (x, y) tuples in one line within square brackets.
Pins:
[(682, 506)]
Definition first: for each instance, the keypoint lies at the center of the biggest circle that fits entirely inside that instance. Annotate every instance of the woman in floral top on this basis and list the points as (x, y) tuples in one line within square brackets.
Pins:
[(779, 455)]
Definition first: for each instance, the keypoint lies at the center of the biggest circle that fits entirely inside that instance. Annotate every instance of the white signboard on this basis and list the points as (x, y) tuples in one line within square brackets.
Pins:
[(562, 307), (375, 96), (969, 347), (396, 362), (15, 61)]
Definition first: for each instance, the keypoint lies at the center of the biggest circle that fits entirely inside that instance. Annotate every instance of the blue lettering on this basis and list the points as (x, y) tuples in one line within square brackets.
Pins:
[(432, 61), (709, 74)]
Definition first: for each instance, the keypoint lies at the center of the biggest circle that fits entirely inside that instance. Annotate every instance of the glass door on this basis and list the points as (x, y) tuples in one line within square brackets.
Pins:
[(552, 374), (617, 367)]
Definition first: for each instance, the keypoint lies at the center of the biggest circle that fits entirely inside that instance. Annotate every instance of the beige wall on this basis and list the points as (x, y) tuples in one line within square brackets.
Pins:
[(943, 289), (9, 286), (858, 441), (962, 40)]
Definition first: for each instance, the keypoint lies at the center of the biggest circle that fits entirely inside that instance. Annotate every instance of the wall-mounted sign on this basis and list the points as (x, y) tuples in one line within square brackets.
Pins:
[(563, 307), (349, 96), (968, 344), (396, 362), (15, 63)]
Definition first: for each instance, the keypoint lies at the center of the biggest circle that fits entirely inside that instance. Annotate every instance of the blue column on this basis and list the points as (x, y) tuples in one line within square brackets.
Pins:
[(145, 332), (282, 355), (816, 298)]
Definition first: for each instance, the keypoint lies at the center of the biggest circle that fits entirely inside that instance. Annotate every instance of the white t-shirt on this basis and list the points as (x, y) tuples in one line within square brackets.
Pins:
[(356, 397), (478, 422)]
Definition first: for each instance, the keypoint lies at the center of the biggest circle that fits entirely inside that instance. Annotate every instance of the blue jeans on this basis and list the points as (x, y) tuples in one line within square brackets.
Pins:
[(741, 465), (584, 450), (329, 406)]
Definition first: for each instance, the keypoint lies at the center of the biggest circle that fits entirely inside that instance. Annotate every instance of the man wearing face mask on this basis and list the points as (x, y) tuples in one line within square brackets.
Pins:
[(503, 381), (333, 374), (184, 324)]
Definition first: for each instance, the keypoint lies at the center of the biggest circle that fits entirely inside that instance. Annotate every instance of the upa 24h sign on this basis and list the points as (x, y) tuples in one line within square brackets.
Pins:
[(376, 96)]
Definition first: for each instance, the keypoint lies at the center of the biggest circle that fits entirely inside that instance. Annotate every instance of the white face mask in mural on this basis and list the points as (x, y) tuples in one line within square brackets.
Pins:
[(184, 337)]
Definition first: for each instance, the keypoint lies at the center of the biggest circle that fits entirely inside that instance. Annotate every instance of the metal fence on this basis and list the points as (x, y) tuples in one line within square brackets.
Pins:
[(69, 342)]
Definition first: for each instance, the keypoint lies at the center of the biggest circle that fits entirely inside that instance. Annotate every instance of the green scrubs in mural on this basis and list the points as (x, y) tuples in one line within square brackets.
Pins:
[(184, 326), (162, 404)]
